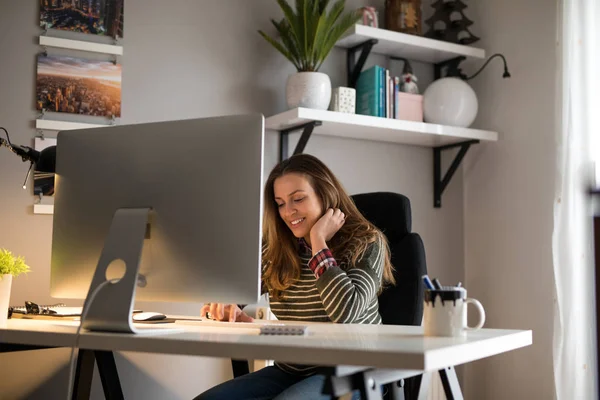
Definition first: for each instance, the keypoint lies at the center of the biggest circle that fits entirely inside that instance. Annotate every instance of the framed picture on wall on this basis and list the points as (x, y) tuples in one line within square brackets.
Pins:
[(43, 182), (78, 86), (97, 17)]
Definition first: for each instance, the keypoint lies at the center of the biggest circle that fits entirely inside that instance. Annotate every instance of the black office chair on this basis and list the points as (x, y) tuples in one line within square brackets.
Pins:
[(401, 304)]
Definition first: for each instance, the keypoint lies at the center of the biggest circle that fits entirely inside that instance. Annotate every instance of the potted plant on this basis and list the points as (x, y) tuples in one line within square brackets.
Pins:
[(10, 266), (306, 36)]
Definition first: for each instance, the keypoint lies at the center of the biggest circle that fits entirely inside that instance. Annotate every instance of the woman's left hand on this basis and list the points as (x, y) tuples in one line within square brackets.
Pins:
[(327, 225)]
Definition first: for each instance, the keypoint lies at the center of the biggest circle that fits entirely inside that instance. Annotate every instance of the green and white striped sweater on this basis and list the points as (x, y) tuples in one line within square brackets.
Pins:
[(336, 296)]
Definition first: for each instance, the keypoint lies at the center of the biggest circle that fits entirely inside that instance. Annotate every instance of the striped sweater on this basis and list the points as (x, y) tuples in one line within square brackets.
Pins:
[(332, 294)]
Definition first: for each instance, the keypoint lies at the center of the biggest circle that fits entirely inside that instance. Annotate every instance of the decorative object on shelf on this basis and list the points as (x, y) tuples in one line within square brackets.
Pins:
[(452, 101), (410, 106), (370, 17), (10, 266), (403, 16), (306, 36), (449, 23), (343, 100), (78, 86), (408, 81), (104, 18)]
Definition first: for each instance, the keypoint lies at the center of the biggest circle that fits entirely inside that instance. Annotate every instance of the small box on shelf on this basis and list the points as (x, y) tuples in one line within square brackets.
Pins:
[(410, 106), (343, 99)]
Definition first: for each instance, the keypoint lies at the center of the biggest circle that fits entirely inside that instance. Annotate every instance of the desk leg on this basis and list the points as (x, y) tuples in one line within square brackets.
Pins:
[(108, 375), (451, 384), (83, 375), (424, 386)]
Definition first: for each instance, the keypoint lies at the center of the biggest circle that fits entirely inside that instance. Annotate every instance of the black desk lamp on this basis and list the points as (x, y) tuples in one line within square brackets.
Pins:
[(44, 161)]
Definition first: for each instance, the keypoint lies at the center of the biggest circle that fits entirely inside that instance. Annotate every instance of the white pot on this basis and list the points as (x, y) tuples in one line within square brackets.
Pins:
[(308, 89), (450, 101), (5, 284)]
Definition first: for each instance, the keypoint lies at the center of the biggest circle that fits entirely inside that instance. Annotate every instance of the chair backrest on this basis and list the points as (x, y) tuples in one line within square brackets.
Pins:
[(401, 304)]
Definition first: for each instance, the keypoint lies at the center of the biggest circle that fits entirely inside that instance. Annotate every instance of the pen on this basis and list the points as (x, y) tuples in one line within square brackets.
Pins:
[(427, 282), (437, 284)]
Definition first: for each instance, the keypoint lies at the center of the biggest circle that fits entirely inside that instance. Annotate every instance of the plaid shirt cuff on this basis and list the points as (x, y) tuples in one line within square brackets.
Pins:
[(319, 263)]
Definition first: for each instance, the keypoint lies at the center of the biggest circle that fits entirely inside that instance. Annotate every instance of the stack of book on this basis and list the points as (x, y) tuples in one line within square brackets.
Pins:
[(378, 94)]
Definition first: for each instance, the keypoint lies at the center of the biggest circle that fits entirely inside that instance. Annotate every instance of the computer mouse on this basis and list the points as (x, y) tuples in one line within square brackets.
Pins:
[(148, 316)]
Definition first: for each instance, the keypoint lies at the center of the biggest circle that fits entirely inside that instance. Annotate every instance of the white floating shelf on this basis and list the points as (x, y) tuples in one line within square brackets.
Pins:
[(43, 208), (50, 125), (365, 127), (79, 45), (412, 47)]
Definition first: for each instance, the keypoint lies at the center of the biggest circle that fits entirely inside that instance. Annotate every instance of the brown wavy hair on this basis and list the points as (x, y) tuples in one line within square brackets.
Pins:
[(281, 264)]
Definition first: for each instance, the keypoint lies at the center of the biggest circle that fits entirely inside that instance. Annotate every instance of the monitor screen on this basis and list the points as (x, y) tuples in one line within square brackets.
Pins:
[(202, 180)]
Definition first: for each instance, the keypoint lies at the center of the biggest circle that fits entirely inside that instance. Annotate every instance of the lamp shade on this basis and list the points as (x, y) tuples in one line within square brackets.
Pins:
[(450, 101)]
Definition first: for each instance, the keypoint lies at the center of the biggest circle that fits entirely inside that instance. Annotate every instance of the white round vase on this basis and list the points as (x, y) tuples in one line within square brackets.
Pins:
[(308, 89), (450, 101)]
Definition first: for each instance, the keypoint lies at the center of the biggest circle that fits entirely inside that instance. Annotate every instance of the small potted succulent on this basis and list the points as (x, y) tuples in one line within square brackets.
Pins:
[(306, 36), (10, 266)]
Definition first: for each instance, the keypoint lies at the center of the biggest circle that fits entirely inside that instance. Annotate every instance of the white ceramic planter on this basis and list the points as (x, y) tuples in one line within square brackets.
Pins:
[(5, 285), (308, 89)]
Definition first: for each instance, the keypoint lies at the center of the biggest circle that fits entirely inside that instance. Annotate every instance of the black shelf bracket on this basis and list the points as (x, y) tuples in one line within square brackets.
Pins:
[(449, 68), (307, 130), (439, 183), (353, 67)]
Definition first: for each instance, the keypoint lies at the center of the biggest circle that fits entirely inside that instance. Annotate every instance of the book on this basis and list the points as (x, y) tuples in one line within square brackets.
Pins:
[(368, 92)]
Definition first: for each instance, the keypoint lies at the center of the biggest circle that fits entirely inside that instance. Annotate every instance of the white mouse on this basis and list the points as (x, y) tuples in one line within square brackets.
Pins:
[(148, 316)]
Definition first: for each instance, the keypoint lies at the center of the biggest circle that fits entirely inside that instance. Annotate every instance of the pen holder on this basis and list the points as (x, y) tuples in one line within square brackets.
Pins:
[(445, 312)]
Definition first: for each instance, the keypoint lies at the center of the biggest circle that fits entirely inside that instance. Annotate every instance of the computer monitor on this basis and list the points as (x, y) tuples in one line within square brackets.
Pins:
[(197, 184)]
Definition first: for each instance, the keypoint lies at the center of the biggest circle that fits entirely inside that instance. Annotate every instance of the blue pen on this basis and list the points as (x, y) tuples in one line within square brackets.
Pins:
[(437, 284), (427, 282)]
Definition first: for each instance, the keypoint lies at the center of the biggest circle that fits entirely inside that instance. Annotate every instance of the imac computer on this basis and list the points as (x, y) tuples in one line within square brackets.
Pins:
[(179, 203)]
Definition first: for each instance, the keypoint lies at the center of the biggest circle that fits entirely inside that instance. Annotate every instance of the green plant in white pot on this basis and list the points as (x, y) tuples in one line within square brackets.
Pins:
[(306, 37), (10, 266)]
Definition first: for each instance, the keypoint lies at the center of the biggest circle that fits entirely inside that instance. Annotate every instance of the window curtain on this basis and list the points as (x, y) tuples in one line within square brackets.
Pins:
[(578, 128)]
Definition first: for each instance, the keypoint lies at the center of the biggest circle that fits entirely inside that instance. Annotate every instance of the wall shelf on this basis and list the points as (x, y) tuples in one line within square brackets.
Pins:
[(47, 209), (50, 41), (364, 127), (53, 125), (354, 126), (412, 47)]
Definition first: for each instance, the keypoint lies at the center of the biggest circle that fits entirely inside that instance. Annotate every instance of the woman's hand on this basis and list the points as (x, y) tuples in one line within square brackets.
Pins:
[(224, 312), (327, 226)]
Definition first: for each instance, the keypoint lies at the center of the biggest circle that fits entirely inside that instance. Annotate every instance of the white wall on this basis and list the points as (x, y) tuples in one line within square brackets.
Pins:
[(509, 195), (183, 59)]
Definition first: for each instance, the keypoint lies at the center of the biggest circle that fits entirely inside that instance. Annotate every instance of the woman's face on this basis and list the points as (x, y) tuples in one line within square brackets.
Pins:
[(298, 204)]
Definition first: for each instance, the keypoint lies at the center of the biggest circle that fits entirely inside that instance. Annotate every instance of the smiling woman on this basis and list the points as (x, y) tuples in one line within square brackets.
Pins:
[(322, 261)]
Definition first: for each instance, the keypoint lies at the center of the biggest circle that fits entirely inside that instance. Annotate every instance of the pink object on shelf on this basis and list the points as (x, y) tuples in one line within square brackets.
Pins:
[(410, 106)]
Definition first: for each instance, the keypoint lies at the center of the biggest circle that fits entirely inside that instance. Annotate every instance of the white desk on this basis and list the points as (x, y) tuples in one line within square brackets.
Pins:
[(343, 345)]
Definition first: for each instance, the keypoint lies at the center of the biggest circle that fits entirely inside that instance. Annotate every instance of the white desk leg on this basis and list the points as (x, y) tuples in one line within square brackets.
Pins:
[(424, 386)]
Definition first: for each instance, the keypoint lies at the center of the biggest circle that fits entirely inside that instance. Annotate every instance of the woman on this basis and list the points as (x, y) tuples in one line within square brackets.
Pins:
[(322, 261)]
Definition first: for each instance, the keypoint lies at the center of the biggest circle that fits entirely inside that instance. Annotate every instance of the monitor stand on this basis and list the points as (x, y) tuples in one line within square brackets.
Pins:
[(109, 304)]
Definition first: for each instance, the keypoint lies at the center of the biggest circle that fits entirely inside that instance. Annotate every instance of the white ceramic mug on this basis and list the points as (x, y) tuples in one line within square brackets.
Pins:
[(446, 312)]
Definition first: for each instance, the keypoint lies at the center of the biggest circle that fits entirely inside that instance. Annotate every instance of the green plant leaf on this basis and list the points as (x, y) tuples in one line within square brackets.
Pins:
[(307, 35), (345, 23), (287, 39), (280, 48), (291, 18), (11, 265)]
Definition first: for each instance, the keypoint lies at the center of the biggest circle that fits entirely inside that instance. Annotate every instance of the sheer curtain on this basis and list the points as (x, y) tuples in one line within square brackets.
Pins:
[(578, 126)]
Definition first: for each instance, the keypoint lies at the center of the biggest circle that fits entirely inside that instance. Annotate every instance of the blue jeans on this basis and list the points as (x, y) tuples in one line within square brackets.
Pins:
[(270, 383)]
